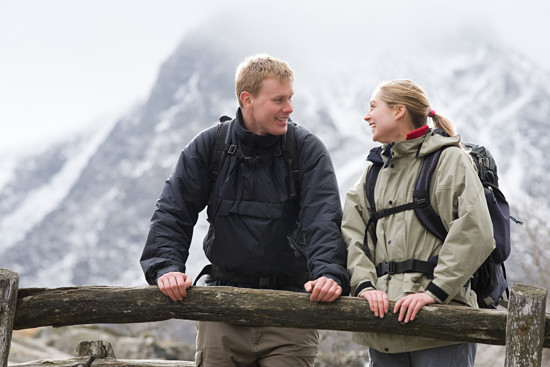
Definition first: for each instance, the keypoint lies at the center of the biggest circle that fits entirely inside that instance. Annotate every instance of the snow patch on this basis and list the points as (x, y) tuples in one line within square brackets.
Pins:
[(41, 201)]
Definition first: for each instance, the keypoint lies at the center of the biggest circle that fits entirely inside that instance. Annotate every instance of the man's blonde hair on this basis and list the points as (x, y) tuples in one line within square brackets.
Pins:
[(255, 69)]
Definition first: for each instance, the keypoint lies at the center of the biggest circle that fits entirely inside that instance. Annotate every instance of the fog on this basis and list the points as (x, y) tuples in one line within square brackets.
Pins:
[(68, 65)]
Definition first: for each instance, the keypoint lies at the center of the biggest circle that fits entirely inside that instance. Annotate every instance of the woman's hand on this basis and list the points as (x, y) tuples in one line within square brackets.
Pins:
[(378, 301), (411, 304)]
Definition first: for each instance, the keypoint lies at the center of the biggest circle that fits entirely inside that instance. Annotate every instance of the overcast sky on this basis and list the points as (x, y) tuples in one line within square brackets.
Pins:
[(65, 64)]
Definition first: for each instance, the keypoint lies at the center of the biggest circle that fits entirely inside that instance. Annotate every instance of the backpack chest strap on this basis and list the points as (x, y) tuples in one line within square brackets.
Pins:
[(407, 266)]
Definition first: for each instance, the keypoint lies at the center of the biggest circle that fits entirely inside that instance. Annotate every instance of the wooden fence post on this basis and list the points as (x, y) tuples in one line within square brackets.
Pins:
[(525, 326), (95, 348), (9, 281)]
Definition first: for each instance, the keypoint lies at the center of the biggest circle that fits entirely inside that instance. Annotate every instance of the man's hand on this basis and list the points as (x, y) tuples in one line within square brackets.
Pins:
[(378, 301), (174, 285), (411, 304), (323, 289)]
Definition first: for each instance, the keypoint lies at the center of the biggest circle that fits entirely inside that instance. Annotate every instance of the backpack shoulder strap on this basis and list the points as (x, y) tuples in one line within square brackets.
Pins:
[(288, 146), (375, 156), (424, 211), (370, 183), (220, 147), (421, 197)]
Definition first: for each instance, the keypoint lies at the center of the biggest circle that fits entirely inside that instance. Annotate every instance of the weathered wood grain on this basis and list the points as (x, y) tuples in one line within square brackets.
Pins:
[(91, 305), (71, 362), (526, 326), (9, 281)]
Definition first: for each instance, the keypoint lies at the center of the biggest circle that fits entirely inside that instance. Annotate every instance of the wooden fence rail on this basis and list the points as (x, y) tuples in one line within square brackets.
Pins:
[(524, 328)]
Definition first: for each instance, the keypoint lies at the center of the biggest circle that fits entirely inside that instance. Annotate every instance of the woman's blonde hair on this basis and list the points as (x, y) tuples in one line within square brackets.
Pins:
[(407, 93), (255, 69)]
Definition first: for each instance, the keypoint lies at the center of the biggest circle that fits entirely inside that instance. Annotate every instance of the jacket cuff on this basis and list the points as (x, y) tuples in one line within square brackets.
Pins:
[(439, 293), (363, 286)]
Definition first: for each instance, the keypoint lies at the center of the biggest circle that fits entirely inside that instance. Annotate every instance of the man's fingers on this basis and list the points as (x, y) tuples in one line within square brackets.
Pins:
[(174, 285), (327, 291), (183, 282), (177, 284), (323, 289), (309, 286), (317, 288), (164, 286), (333, 292)]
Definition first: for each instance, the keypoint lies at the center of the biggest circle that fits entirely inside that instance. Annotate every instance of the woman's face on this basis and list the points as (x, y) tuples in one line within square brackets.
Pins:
[(383, 121)]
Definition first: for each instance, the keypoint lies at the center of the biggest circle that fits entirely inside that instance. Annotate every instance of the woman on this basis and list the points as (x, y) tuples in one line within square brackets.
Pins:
[(398, 115)]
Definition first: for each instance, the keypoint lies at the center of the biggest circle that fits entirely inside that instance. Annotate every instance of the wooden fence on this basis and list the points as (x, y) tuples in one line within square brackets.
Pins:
[(524, 328)]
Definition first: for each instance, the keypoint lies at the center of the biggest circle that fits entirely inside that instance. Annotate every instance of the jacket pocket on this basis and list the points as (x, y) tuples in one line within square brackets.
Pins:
[(414, 283), (255, 225), (382, 284), (253, 235), (252, 209)]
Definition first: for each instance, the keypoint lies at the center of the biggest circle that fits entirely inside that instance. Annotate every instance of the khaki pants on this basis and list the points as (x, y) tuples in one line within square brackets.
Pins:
[(224, 345)]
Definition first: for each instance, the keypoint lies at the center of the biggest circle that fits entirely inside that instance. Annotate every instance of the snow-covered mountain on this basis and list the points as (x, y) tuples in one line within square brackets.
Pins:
[(78, 213)]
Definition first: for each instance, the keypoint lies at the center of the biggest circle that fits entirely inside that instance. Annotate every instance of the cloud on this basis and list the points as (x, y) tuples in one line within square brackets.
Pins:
[(66, 63)]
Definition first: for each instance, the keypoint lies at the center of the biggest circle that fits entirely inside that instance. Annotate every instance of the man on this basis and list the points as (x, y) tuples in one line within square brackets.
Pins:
[(254, 220)]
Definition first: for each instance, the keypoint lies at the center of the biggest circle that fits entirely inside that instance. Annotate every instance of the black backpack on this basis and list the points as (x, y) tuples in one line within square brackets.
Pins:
[(489, 281)]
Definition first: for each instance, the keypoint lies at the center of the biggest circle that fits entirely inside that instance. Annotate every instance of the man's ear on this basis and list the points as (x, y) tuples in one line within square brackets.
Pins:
[(246, 99)]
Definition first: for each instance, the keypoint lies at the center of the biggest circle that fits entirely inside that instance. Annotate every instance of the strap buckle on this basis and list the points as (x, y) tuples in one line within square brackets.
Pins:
[(392, 267), (389, 267), (422, 202), (232, 149)]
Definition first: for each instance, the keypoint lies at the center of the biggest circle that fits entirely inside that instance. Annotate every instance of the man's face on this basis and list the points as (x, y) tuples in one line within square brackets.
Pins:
[(269, 111)]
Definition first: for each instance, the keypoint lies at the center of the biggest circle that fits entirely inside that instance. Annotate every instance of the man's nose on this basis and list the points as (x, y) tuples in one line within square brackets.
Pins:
[(288, 107)]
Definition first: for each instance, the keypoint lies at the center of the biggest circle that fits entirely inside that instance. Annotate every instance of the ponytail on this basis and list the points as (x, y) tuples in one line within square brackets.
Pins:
[(443, 123)]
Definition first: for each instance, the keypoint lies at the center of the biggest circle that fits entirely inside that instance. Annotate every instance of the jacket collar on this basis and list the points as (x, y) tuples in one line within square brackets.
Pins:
[(418, 132), (420, 146), (253, 144)]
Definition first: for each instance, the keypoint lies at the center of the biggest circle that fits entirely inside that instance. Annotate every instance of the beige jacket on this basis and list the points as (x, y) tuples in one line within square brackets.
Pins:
[(457, 197)]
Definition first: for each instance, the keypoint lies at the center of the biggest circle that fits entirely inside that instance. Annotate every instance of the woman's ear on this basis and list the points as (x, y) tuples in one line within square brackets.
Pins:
[(400, 111)]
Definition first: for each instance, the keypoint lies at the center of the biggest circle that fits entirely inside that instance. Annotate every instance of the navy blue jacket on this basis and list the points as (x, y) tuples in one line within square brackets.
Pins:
[(251, 213)]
